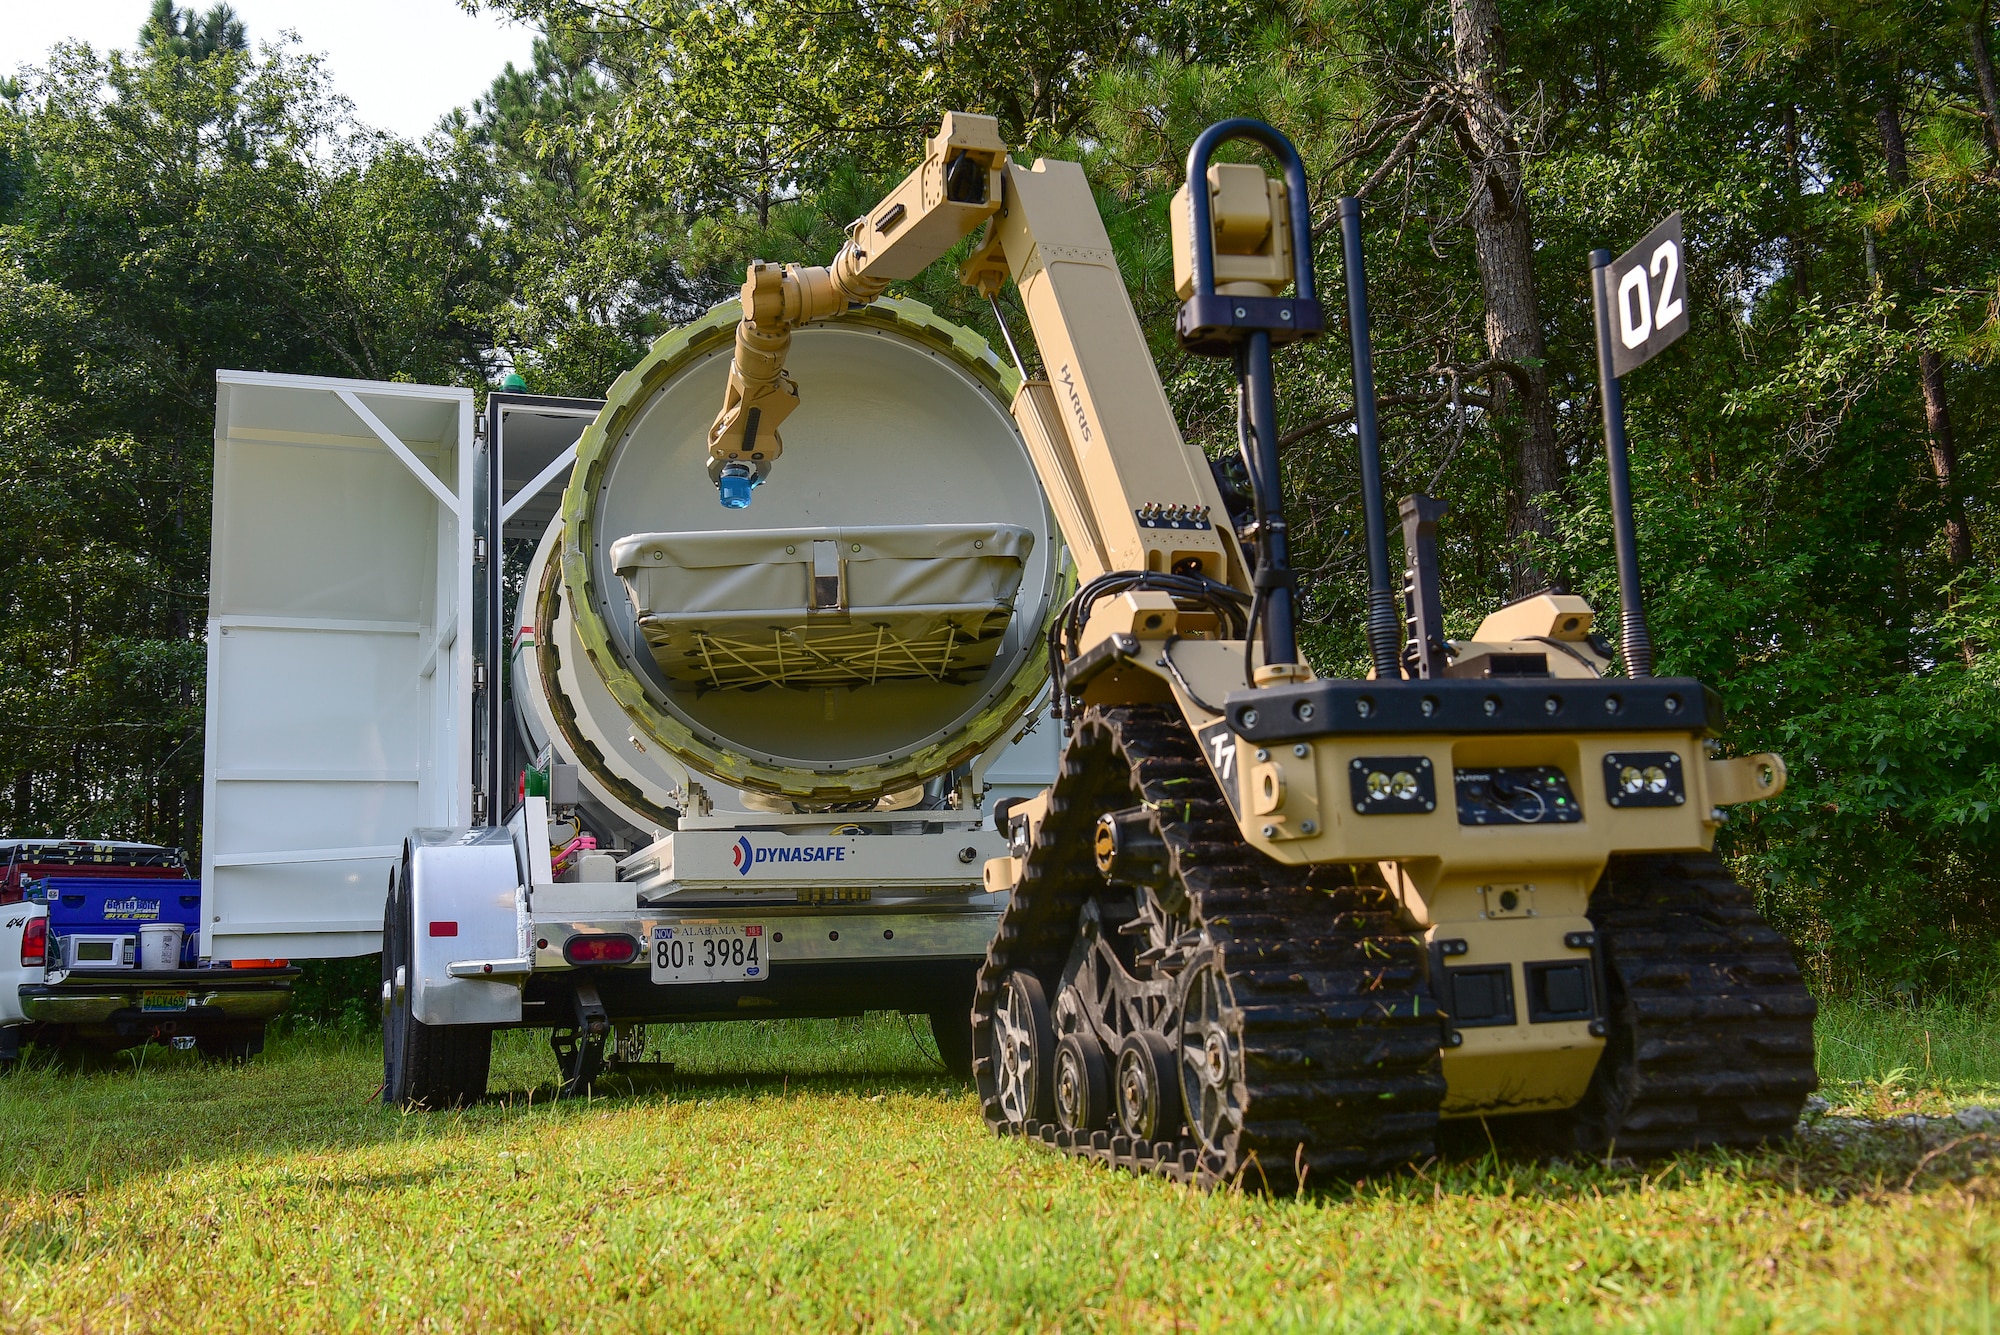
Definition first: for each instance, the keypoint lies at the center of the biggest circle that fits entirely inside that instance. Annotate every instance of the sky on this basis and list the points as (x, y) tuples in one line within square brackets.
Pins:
[(404, 63)]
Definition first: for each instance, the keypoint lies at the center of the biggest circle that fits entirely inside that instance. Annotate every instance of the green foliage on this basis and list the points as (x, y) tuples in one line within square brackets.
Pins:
[(191, 208), (579, 288), (1790, 514), (181, 33), (1885, 851), (339, 994), (745, 104)]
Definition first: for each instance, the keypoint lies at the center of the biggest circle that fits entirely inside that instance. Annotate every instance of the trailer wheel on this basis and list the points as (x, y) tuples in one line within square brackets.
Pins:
[(950, 1013), (953, 1031), (423, 1065), (230, 1049)]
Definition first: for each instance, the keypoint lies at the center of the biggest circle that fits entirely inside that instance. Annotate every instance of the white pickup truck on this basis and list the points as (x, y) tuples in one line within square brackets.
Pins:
[(24, 935)]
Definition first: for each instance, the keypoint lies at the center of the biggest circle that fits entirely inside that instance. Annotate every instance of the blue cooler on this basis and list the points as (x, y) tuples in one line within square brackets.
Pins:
[(96, 906)]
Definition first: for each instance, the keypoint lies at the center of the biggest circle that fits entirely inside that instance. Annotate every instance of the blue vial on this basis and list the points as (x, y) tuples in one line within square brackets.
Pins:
[(733, 486)]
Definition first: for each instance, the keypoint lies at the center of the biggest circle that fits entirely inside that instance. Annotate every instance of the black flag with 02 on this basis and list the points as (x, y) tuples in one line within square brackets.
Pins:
[(1647, 291)]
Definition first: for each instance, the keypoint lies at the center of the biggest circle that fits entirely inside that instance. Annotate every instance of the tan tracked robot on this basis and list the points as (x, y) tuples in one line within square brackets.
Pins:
[(1266, 925)]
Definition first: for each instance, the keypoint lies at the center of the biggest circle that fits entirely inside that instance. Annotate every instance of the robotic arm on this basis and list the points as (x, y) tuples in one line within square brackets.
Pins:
[(1129, 493), (957, 187)]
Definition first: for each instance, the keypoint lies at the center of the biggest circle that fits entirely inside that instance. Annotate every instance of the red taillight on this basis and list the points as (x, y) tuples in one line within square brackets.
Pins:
[(607, 948), (35, 942), (444, 929)]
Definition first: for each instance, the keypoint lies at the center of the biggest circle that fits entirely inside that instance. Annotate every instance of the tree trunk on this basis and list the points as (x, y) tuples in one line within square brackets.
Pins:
[(1795, 245), (763, 185), (1982, 65), (1601, 76), (1944, 459), (1943, 448), (1503, 243)]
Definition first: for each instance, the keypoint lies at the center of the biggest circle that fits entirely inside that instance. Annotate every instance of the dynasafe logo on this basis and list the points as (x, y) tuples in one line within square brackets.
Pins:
[(744, 855)]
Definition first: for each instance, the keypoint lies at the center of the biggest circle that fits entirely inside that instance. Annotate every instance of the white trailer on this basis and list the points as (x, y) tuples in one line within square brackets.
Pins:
[(575, 747)]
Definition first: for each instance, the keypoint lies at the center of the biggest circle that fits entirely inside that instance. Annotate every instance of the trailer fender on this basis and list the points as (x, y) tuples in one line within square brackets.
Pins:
[(466, 906)]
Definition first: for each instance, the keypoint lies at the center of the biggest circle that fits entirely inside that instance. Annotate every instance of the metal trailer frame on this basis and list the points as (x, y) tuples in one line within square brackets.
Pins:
[(528, 506)]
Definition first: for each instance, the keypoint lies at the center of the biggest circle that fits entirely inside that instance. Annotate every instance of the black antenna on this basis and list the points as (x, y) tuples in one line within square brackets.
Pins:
[(1381, 624)]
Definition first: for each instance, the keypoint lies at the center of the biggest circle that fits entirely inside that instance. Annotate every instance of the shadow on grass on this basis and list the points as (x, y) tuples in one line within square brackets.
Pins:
[(1863, 1160), (82, 1127), (162, 1112), (615, 1087)]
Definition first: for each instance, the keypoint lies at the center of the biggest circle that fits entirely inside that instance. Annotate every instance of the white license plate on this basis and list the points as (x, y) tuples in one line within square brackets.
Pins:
[(711, 952)]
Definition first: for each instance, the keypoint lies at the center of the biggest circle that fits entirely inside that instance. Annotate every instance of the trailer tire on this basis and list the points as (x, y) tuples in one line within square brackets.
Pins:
[(953, 1031), (423, 1065), (230, 1049), (951, 1021)]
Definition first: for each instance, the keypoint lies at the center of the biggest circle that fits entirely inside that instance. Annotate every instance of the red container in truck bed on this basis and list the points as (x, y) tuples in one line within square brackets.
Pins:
[(26, 860)]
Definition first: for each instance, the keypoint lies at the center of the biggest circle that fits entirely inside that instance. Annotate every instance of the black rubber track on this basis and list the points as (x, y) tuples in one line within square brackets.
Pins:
[(1339, 1034), (1711, 1034)]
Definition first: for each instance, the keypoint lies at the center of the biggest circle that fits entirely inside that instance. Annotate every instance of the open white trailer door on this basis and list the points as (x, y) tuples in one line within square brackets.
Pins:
[(339, 682)]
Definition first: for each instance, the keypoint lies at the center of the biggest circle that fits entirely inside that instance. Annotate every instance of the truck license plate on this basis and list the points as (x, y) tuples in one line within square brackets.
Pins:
[(156, 1002), (711, 952)]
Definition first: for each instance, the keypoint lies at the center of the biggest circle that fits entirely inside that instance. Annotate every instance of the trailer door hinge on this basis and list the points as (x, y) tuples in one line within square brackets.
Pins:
[(479, 549), (479, 676)]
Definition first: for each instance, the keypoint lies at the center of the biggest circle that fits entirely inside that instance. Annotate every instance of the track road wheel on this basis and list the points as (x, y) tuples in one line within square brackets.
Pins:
[(1711, 1027), (1024, 1050), (1211, 1060), (1147, 1088), (1261, 1024), (1082, 1086), (423, 1066)]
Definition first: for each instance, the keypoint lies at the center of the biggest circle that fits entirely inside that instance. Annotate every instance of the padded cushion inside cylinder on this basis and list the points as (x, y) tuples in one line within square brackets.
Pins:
[(824, 606)]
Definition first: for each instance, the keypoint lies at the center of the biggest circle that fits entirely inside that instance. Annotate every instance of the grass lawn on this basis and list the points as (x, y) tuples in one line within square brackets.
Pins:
[(826, 1175)]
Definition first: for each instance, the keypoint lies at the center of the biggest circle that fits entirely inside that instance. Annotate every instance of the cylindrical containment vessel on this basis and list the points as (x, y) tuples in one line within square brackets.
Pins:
[(872, 623)]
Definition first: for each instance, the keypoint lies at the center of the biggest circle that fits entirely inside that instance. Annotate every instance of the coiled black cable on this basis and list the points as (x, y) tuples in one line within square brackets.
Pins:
[(1225, 601)]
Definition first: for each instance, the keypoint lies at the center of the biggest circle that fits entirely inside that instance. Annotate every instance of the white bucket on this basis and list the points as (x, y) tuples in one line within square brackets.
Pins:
[(160, 945)]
